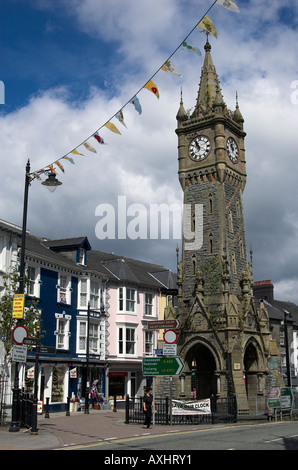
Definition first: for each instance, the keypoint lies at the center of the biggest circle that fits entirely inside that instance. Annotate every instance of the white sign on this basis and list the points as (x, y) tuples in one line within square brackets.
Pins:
[(19, 353), (191, 407), (169, 349)]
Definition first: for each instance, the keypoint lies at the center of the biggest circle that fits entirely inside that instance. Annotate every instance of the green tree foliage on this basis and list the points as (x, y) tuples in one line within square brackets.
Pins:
[(32, 315)]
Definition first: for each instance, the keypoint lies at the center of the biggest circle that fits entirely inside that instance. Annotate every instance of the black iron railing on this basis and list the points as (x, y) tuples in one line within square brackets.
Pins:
[(221, 410)]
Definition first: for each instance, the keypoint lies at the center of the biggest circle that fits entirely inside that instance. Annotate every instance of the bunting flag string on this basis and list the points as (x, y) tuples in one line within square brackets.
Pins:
[(207, 25)]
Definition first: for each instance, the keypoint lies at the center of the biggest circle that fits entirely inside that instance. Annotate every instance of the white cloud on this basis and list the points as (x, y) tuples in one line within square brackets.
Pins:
[(253, 55)]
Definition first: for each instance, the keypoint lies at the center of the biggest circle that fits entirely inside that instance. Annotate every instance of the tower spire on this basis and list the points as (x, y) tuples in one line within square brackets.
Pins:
[(209, 88)]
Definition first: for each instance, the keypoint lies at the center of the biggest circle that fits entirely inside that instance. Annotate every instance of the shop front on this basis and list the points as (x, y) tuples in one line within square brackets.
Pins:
[(59, 381), (125, 379)]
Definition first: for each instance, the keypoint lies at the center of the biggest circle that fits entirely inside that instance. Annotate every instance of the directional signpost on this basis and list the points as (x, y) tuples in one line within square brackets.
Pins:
[(156, 366), (160, 324)]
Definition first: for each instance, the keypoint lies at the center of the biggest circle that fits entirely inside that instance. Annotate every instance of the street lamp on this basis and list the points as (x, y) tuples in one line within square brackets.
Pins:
[(51, 183)]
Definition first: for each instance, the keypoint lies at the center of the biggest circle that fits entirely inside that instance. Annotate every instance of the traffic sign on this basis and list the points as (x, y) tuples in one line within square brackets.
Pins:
[(19, 353), (31, 341), (170, 337), (19, 333), (169, 349), (160, 324), (47, 350), (153, 366)]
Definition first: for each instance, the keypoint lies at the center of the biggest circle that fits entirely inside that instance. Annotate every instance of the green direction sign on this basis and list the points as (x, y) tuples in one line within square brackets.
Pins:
[(162, 366)]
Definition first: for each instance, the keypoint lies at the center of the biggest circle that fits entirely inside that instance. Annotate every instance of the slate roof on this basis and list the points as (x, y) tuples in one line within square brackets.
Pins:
[(109, 266)]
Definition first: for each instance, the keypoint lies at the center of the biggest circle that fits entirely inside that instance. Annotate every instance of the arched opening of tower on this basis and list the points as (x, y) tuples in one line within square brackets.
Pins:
[(202, 366), (251, 370)]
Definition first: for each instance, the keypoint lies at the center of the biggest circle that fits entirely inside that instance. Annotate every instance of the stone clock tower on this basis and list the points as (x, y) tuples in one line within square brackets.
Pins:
[(224, 337)]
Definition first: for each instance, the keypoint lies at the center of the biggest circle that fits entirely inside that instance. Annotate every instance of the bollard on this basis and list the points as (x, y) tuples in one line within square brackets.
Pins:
[(67, 407), (47, 415), (115, 404), (127, 409)]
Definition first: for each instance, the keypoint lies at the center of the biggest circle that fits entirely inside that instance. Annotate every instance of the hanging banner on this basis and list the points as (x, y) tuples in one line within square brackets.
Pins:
[(202, 407)]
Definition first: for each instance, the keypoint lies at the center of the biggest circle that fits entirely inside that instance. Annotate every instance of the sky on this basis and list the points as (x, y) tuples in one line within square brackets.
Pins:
[(68, 66)]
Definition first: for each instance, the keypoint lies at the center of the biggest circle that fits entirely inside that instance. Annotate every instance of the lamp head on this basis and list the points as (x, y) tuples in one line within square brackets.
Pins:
[(51, 182)]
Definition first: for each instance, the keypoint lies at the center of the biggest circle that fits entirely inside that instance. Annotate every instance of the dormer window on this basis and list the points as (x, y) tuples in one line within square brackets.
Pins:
[(81, 256)]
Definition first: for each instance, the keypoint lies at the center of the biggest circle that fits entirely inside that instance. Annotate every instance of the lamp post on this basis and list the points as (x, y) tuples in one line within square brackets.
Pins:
[(51, 183)]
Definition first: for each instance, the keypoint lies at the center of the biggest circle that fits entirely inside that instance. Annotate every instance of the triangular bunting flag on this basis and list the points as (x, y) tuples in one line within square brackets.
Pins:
[(229, 5), (75, 152), (98, 138), (60, 166), (120, 117), (69, 159), (152, 87), (169, 67), (136, 103), (208, 25), (89, 147), (36, 175), (112, 127), (52, 169), (189, 47)]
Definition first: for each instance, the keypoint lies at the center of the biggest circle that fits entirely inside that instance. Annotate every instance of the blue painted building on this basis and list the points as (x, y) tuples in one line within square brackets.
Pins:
[(60, 278)]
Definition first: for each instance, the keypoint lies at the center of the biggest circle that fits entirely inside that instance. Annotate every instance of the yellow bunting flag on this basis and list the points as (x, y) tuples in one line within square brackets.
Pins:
[(75, 152), (112, 127), (208, 25), (152, 87)]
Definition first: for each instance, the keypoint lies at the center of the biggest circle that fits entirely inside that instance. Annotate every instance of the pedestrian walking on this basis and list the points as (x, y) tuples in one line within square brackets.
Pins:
[(148, 407)]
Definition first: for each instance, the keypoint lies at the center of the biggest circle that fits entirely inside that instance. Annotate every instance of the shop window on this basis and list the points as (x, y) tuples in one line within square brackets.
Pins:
[(58, 377)]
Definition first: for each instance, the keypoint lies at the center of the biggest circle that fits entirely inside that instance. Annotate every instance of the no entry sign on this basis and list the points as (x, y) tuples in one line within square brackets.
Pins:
[(170, 336), (19, 333)]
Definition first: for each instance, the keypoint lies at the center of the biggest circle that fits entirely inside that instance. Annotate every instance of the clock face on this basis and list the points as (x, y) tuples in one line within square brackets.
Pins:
[(232, 149), (199, 148)]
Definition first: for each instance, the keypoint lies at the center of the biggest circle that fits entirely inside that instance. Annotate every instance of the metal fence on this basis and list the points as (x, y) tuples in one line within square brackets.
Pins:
[(3, 393), (222, 410), (252, 406), (25, 412)]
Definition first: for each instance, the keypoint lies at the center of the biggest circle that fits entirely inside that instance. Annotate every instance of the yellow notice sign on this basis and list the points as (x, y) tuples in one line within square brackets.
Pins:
[(18, 306)]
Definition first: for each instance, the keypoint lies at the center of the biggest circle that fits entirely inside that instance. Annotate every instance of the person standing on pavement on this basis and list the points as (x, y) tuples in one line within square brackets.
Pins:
[(148, 406)]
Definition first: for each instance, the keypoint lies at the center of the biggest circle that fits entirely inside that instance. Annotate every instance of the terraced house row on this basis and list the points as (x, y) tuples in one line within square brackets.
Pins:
[(69, 279)]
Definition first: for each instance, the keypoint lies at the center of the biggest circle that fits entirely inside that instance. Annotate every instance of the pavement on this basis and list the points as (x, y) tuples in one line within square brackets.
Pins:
[(60, 431)]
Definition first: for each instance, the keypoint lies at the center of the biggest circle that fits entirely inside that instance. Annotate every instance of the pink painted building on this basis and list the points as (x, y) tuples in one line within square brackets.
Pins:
[(133, 297)]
